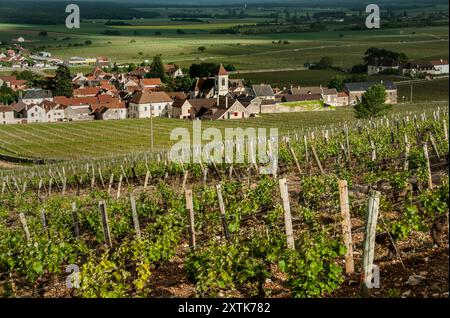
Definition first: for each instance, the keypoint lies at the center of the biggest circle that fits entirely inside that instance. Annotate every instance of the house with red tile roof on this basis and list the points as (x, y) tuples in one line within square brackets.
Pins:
[(6, 115), (114, 111), (13, 83), (146, 104), (86, 92), (173, 71), (440, 67), (150, 83)]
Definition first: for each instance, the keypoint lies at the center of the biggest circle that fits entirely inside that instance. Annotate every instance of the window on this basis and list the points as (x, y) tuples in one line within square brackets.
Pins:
[(223, 81), (145, 108), (4, 116), (32, 114), (236, 114)]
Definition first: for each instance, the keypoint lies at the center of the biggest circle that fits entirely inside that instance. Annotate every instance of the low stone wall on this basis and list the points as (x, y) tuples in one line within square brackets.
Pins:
[(26, 160), (277, 108)]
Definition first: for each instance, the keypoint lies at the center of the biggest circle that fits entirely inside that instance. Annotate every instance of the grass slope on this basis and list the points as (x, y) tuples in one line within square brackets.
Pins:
[(108, 138)]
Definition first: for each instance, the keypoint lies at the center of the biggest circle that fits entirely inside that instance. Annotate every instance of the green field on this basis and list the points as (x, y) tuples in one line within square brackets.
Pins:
[(110, 138), (247, 52), (425, 91)]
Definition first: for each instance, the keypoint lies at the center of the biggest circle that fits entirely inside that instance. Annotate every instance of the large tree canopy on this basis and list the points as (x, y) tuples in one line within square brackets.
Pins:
[(374, 52), (157, 69), (61, 84)]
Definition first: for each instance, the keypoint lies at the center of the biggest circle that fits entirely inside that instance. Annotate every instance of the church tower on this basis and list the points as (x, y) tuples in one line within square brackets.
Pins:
[(221, 81)]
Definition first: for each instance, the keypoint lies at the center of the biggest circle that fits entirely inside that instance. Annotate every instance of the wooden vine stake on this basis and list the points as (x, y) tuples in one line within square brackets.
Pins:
[(101, 177), (374, 150), (305, 141), (125, 175), (317, 160), (111, 180), (287, 214), (347, 142), (346, 226), (147, 176), (369, 242), (76, 226), (435, 148), (64, 185), (191, 222), (23, 221), (119, 187), (50, 186), (407, 150), (444, 124), (427, 160), (105, 223), (222, 212), (137, 228), (44, 220), (294, 156), (185, 177)]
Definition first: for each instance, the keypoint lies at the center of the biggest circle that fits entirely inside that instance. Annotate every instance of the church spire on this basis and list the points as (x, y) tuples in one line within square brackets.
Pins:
[(222, 71)]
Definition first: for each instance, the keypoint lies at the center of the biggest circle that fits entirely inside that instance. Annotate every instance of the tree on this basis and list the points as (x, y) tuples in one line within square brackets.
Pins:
[(372, 103), (43, 33), (180, 84), (61, 85), (201, 49), (325, 62), (359, 68), (88, 42), (229, 67), (376, 53), (131, 67), (357, 78), (7, 95), (337, 82), (203, 70), (157, 69), (32, 79)]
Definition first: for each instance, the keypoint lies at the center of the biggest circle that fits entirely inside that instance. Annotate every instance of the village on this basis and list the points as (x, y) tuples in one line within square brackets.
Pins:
[(116, 95)]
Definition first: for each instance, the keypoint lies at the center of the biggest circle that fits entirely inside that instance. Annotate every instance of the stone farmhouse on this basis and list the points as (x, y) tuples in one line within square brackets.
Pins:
[(436, 67), (355, 91), (13, 83), (146, 104), (219, 108), (7, 115), (379, 65)]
